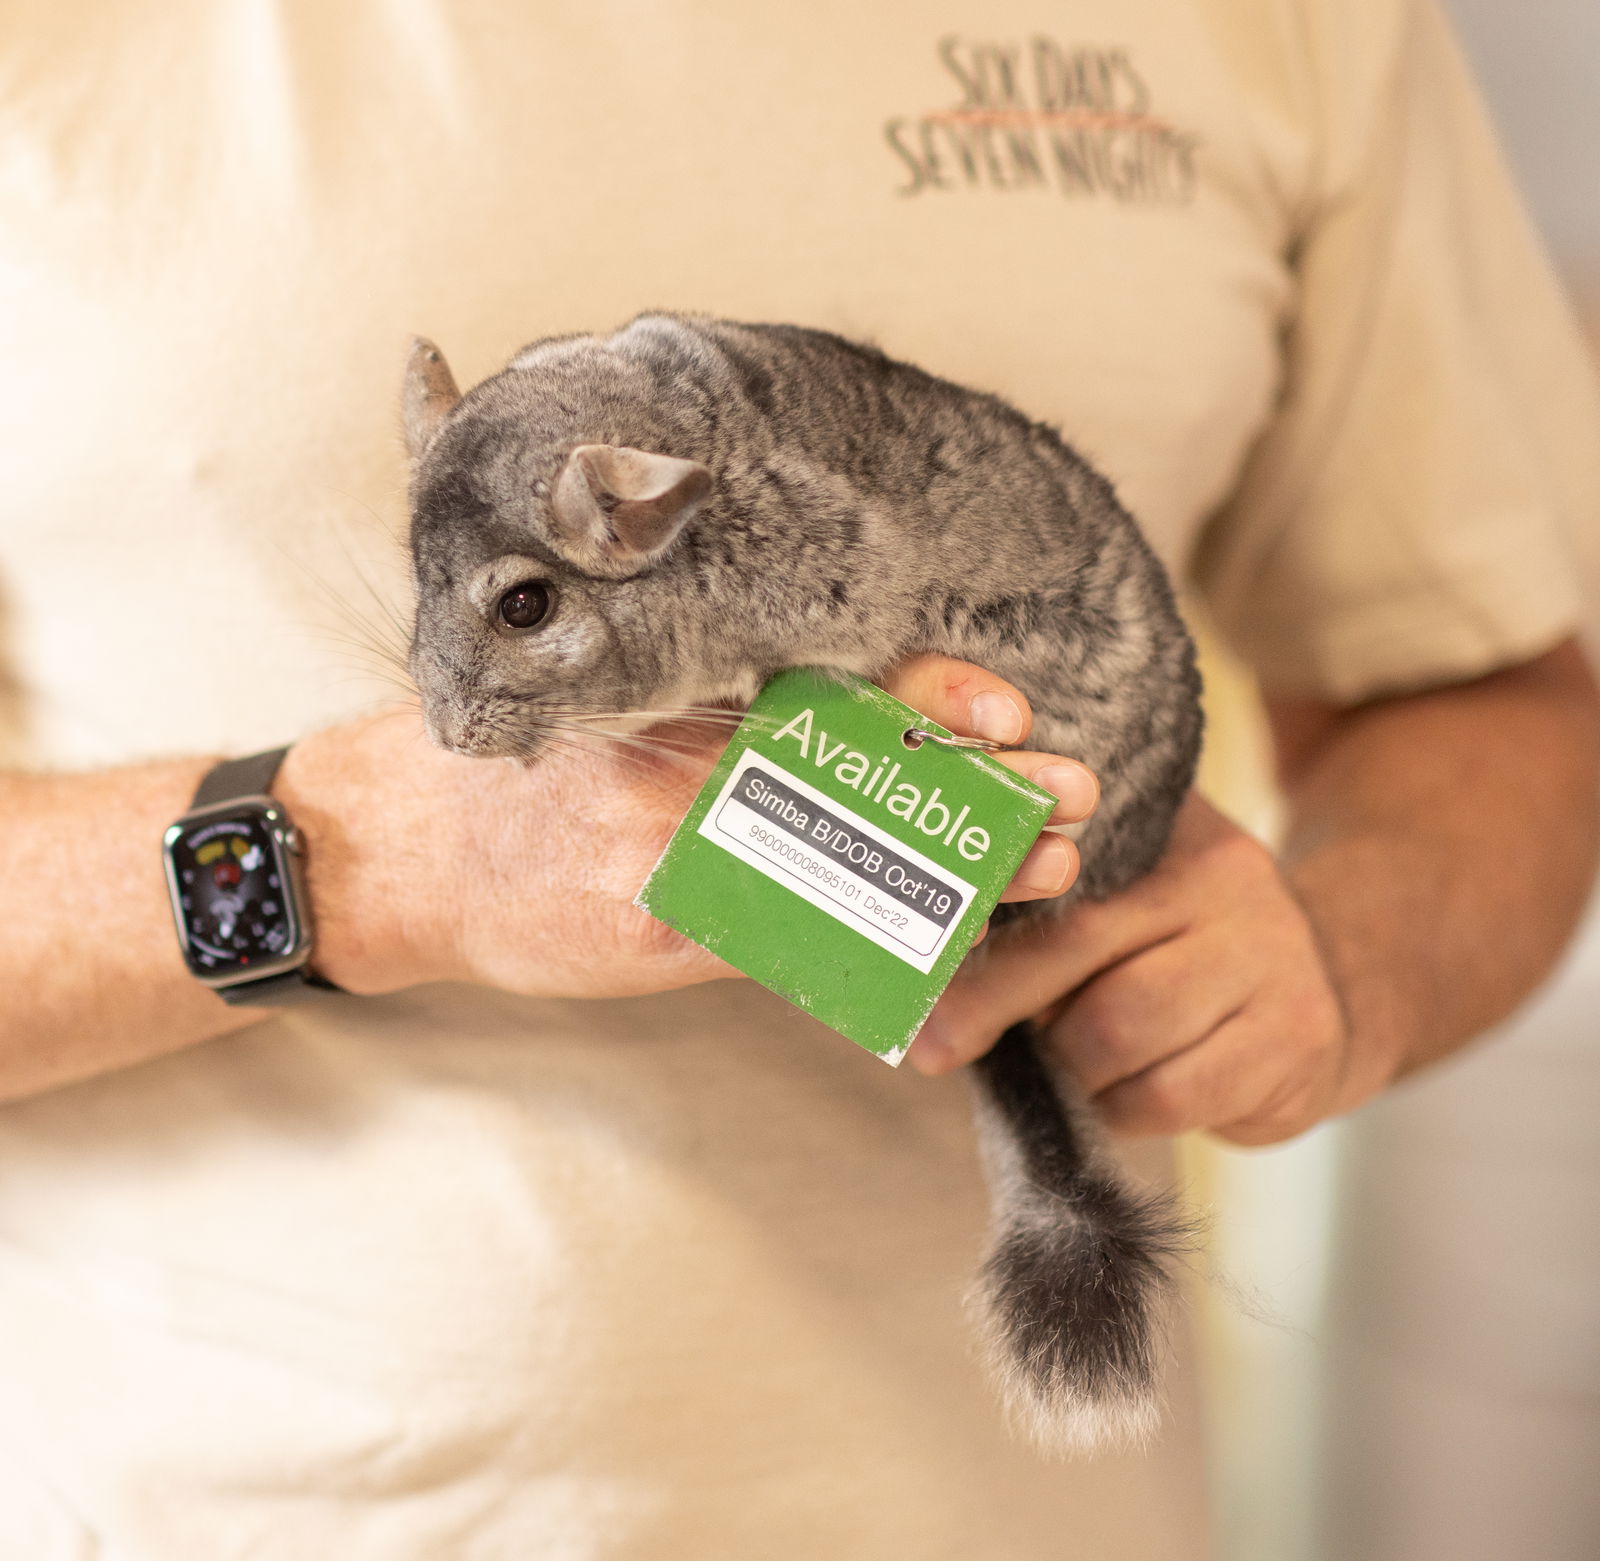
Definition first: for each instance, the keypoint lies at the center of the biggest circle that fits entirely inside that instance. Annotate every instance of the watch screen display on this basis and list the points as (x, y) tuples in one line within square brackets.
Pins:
[(229, 882)]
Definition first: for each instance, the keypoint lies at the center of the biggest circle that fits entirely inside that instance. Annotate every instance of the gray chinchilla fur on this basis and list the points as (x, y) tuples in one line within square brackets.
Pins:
[(674, 513)]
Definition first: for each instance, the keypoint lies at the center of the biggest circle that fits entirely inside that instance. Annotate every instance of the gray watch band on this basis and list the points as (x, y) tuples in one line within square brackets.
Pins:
[(251, 777), (274, 991)]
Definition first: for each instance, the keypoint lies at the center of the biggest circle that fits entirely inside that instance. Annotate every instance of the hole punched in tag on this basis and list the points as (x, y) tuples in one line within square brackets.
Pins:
[(915, 736)]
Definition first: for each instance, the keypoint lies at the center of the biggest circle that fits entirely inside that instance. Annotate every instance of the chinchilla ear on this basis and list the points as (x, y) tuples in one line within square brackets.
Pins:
[(616, 510), (430, 394)]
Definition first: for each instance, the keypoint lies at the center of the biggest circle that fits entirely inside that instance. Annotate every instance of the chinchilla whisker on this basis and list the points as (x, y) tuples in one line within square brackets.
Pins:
[(400, 623), (377, 644), (665, 713), (636, 743), (651, 742), (381, 629), (641, 742), (662, 717), (581, 739), (361, 633), (372, 652), (712, 716), (365, 665), (586, 744)]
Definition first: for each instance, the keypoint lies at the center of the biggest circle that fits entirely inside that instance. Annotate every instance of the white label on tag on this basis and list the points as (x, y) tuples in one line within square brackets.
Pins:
[(856, 872)]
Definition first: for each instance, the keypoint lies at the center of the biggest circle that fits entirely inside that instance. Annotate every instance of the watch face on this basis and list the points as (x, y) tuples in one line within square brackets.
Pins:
[(230, 882)]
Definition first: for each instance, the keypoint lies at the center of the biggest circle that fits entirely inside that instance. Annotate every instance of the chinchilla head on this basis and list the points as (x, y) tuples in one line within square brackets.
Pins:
[(545, 504)]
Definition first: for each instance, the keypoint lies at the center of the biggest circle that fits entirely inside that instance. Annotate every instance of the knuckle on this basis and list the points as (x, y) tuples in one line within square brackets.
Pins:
[(1273, 1127), (1314, 1018), (1156, 1104), (927, 679), (1167, 1106), (1286, 1113), (642, 940), (1249, 1135), (1243, 858), (1119, 1013), (1094, 1026)]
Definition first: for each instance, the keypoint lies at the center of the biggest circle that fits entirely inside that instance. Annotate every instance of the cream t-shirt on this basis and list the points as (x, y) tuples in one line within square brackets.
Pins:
[(457, 1276)]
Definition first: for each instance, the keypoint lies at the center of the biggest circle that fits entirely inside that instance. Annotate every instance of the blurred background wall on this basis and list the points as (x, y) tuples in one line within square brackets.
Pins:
[(1539, 64), (1405, 1345)]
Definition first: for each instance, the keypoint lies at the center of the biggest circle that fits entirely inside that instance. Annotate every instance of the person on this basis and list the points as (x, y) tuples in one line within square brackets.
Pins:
[(540, 1241)]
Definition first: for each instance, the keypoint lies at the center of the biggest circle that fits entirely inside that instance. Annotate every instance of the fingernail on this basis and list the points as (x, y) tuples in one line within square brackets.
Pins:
[(1045, 867), (1074, 785), (995, 716)]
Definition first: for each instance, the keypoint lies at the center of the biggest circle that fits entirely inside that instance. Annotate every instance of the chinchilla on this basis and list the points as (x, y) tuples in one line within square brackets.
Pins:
[(667, 516)]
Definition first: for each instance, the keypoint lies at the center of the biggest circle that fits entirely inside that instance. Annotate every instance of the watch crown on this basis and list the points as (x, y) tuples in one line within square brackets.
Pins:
[(294, 841)]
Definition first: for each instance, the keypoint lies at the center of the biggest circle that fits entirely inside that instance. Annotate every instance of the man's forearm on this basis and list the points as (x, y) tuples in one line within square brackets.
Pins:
[(422, 866), (1443, 845), (418, 861), (90, 971)]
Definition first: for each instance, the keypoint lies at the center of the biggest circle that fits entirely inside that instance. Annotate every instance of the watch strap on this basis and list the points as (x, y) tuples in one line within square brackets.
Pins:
[(234, 778), (274, 991)]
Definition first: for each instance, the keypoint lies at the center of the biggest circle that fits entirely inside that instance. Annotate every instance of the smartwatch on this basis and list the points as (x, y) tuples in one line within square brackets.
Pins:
[(236, 874)]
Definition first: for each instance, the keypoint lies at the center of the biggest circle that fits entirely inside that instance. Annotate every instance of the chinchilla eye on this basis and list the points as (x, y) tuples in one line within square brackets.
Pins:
[(525, 606)]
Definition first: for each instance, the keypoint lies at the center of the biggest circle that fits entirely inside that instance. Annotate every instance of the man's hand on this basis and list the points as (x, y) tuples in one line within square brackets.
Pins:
[(1440, 848), (428, 866), (1197, 998)]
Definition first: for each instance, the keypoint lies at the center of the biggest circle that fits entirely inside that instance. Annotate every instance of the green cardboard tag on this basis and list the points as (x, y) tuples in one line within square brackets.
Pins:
[(843, 869)]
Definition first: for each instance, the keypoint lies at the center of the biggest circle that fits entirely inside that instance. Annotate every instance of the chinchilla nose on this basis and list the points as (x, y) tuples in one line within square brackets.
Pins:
[(454, 728)]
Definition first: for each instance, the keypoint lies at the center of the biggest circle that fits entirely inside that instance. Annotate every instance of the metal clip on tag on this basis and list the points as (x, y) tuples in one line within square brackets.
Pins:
[(916, 736)]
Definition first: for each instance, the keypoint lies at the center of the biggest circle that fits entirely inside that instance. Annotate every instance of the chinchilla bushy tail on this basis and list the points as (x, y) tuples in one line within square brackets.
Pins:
[(1072, 1295)]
